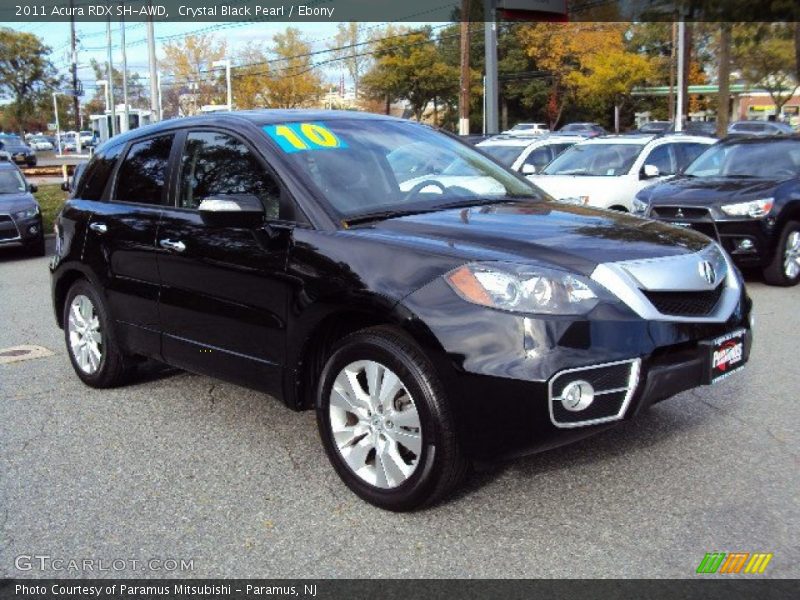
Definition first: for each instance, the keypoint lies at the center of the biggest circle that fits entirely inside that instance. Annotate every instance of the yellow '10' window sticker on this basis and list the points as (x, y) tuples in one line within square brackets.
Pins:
[(299, 137)]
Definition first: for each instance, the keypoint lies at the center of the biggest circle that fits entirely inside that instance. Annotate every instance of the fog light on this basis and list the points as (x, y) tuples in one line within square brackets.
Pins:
[(745, 245), (33, 229), (577, 395)]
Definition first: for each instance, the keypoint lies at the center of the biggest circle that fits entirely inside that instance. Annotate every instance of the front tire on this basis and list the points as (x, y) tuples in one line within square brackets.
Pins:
[(784, 270), (385, 422), (91, 344)]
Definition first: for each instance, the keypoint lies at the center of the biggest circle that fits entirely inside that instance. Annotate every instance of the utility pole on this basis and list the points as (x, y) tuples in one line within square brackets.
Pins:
[(724, 79), (681, 76), (126, 117), (491, 86), (110, 79), (463, 99), (151, 59), (76, 104), (672, 54)]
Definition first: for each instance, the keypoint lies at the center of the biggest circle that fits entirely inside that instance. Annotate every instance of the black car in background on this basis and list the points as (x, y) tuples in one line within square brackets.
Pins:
[(586, 129), (743, 192), (20, 152), (430, 318), (759, 128), (20, 217)]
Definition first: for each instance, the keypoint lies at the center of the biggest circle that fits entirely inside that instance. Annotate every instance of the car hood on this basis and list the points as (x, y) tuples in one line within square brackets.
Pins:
[(707, 191), (574, 186), (571, 237), (15, 148), (10, 203)]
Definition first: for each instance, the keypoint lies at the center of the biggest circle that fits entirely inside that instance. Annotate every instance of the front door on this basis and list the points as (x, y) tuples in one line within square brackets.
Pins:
[(224, 291)]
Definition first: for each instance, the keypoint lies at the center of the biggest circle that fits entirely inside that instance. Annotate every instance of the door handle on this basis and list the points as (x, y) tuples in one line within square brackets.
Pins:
[(98, 227), (172, 245)]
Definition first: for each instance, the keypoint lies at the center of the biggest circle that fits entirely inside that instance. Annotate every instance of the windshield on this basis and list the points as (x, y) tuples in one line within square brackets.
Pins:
[(11, 182), (363, 167), (772, 160), (505, 155), (608, 160)]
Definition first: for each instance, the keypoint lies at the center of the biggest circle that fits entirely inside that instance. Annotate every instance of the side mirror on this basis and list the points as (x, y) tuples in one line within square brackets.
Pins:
[(65, 186), (528, 169), (650, 171), (33, 188), (232, 210)]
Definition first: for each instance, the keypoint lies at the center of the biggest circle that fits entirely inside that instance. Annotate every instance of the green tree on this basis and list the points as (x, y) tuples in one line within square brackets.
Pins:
[(294, 81), (765, 55), (26, 74), (349, 47), (195, 81), (411, 68)]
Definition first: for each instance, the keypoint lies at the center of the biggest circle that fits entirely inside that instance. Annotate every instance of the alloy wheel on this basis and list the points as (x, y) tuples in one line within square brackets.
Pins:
[(85, 335), (375, 424), (791, 255)]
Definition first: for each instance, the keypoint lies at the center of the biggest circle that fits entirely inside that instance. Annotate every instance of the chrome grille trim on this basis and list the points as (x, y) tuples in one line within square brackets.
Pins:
[(633, 382), (14, 222), (627, 279)]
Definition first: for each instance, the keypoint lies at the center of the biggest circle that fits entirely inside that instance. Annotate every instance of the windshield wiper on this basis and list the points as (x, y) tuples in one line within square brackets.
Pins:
[(391, 214)]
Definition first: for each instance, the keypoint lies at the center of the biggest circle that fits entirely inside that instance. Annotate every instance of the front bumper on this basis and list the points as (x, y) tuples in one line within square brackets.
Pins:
[(19, 232), (500, 369)]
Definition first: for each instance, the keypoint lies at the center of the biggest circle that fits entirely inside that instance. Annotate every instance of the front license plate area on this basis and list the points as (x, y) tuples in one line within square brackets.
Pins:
[(727, 355)]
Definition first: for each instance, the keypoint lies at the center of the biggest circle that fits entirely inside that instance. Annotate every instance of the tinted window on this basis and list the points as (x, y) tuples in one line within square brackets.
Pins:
[(690, 152), (92, 183), (606, 159), (143, 173), (539, 157), (661, 157), (216, 163), (505, 155), (770, 159)]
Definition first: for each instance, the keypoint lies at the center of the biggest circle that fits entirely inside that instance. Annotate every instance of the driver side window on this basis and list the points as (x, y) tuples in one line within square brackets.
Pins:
[(663, 158), (216, 163)]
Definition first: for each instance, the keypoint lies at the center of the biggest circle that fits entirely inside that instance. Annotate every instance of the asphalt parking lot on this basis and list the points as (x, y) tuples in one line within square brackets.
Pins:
[(178, 466)]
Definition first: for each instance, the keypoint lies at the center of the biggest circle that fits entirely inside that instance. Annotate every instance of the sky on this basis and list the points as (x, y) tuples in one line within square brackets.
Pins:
[(92, 42)]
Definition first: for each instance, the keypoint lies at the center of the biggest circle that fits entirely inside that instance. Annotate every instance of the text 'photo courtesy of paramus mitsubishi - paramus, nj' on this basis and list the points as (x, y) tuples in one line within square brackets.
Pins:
[(430, 320)]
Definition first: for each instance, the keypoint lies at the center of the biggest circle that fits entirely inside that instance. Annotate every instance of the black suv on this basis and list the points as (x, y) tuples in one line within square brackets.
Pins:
[(429, 319), (744, 193)]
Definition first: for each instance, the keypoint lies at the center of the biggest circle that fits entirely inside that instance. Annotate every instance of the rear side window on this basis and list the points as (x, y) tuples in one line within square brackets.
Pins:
[(92, 182), (216, 163), (690, 152), (143, 173)]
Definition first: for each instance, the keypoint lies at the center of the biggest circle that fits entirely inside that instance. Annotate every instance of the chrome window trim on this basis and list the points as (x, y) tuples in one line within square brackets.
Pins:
[(14, 222), (627, 279), (633, 383)]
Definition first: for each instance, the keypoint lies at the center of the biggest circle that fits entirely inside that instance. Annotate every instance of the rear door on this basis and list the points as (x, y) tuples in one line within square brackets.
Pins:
[(224, 295), (121, 239)]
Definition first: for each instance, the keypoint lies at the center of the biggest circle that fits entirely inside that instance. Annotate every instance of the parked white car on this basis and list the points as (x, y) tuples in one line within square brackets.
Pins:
[(528, 129), (40, 143), (527, 155), (607, 172)]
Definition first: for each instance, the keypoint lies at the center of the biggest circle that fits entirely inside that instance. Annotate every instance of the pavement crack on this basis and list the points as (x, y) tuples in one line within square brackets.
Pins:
[(211, 399), (50, 410)]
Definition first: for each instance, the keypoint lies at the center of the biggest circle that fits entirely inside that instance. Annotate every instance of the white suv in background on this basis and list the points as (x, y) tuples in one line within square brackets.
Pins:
[(527, 155), (607, 172), (528, 129)]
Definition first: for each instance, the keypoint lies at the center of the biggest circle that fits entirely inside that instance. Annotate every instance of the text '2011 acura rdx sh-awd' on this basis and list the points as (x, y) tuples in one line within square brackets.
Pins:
[(429, 323)]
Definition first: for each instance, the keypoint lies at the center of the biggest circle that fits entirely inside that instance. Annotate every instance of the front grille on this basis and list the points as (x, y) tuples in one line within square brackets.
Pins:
[(697, 219), (8, 230), (679, 212), (686, 304), (613, 385)]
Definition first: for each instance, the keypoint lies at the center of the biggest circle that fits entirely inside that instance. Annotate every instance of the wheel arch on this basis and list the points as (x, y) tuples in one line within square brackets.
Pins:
[(305, 365), (65, 280)]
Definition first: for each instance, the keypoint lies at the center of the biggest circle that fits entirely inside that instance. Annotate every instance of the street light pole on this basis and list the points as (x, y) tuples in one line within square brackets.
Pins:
[(151, 60), (58, 126), (491, 89), (681, 75), (126, 117), (227, 64), (110, 79)]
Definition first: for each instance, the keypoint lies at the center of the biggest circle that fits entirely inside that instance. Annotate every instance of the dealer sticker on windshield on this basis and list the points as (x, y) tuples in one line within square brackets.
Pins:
[(727, 355), (299, 137)]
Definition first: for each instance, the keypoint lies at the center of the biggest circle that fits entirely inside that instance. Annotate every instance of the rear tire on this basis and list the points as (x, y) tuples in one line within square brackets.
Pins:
[(784, 270), (92, 345), (392, 441)]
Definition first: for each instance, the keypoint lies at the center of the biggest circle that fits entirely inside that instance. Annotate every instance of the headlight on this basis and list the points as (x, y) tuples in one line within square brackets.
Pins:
[(755, 209), (525, 289), (639, 206), (27, 213)]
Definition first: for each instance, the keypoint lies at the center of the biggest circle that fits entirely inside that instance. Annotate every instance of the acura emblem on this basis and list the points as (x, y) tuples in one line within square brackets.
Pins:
[(679, 213), (707, 271)]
